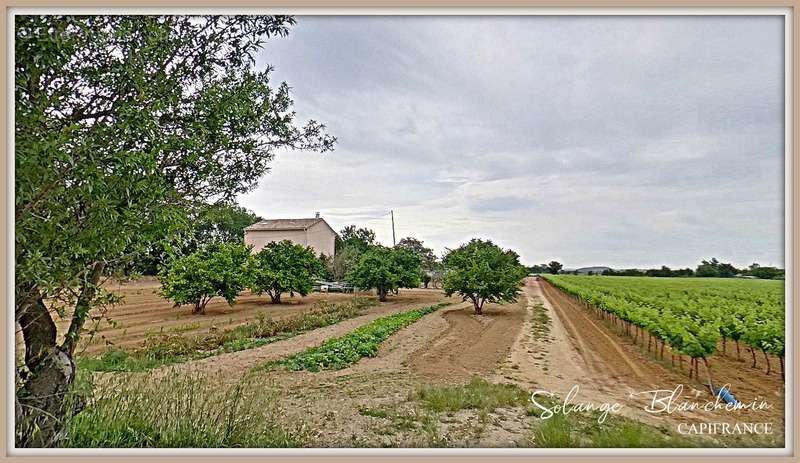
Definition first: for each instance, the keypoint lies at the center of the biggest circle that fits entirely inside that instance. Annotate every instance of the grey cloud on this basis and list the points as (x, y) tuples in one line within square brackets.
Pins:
[(634, 140)]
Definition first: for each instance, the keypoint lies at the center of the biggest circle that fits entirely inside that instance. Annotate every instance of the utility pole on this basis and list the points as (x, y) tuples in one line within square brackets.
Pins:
[(394, 243)]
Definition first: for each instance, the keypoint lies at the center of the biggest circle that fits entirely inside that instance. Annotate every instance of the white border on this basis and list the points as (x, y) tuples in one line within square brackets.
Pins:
[(407, 11)]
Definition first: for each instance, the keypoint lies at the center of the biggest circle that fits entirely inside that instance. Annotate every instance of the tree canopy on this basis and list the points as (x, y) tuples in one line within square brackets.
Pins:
[(124, 123), (350, 245), (715, 268), (283, 267), (554, 267), (481, 271), (215, 270), (209, 224), (385, 269)]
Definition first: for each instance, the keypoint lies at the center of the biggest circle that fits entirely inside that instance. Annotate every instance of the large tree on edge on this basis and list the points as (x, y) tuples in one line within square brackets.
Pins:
[(122, 123)]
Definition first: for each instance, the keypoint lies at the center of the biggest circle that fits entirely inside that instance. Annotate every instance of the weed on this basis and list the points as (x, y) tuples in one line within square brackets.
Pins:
[(176, 411), (373, 412), (555, 432), (477, 394)]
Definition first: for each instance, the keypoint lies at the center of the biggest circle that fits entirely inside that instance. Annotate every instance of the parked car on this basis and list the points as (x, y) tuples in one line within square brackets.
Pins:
[(333, 287)]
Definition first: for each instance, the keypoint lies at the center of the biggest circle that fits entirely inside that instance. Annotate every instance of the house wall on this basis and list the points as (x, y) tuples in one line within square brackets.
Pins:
[(322, 239), (260, 238)]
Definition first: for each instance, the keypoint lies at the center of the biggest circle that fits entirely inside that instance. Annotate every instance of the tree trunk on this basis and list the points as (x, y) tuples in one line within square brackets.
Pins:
[(40, 400), (382, 295), (738, 350), (753, 351), (783, 374), (696, 370), (662, 350), (766, 357), (82, 306), (478, 306), (199, 308), (724, 345), (276, 297)]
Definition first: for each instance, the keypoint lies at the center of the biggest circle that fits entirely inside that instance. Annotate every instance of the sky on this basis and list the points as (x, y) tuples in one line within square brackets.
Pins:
[(621, 141)]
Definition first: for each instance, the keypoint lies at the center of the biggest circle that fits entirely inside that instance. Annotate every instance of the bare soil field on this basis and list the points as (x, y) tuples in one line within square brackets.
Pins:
[(544, 341), (144, 311)]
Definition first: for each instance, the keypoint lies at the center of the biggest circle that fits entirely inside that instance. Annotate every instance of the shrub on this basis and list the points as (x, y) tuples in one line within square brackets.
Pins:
[(216, 270)]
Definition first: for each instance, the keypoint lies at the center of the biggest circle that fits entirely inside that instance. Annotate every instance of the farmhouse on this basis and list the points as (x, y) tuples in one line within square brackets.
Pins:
[(307, 232)]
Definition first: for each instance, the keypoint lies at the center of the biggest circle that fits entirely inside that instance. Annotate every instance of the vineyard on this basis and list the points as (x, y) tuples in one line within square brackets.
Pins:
[(695, 317)]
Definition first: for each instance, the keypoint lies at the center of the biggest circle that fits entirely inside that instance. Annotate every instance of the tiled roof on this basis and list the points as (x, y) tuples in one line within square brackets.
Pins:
[(284, 224)]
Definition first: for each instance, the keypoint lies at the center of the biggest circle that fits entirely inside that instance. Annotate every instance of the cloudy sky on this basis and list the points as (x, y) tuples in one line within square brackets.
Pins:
[(621, 141)]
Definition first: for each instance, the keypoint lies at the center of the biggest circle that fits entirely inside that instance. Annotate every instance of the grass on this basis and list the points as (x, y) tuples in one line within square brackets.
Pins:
[(174, 411), (477, 394), (541, 322), (341, 352), (554, 432), (584, 430), (168, 348), (573, 430)]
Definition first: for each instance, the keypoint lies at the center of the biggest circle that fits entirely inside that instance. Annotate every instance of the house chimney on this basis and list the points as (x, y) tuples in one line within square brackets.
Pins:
[(317, 215)]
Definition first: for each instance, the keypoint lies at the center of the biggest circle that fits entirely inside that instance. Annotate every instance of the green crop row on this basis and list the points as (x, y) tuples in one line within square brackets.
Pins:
[(340, 352), (169, 348)]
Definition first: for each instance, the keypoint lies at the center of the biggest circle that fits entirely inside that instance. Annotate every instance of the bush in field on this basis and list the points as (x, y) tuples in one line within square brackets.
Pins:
[(208, 272), (283, 267), (481, 271), (386, 270)]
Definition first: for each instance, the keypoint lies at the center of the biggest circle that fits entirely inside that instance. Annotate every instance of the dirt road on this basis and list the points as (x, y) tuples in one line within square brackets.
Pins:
[(580, 349)]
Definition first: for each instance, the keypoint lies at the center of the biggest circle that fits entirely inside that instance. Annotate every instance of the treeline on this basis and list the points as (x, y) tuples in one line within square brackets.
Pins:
[(706, 269)]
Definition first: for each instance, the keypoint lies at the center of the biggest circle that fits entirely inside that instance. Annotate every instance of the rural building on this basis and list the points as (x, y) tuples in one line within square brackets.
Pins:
[(306, 232)]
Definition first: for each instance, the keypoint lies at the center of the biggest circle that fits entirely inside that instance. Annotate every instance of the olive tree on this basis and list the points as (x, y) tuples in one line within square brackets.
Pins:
[(122, 124), (216, 270), (386, 269), (483, 272), (283, 267)]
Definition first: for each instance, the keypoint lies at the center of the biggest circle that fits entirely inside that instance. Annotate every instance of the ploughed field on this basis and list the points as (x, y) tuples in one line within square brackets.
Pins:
[(143, 312), (341, 370)]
